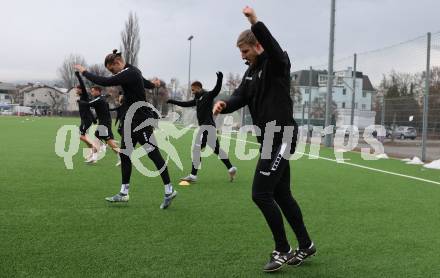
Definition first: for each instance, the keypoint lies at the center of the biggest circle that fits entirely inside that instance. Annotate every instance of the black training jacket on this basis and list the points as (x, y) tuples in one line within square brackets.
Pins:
[(84, 109), (204, 103), (265, 86), (101, 108), (133, 86)]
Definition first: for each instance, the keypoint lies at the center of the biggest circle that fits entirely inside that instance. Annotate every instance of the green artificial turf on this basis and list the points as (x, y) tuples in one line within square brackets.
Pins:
[(54, 222)]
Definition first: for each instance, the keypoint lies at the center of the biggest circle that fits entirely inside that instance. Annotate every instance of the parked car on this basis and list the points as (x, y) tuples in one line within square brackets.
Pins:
[(404, 132)]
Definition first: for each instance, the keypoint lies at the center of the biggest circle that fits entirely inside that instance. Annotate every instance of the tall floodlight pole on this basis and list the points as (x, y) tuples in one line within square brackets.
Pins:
[(189, 68), (309, 109), (354, 90), (426, 97), (328, 105)]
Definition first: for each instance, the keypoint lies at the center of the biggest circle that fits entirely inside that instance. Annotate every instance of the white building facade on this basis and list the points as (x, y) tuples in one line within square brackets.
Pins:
[(342, 97), (6, 89), (45, 98)]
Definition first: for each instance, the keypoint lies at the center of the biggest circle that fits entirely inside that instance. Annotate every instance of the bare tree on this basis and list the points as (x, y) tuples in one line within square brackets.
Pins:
[(295, 93), (112, 94), (67, 73), (58, 101), (318, 108), (402, 93), (97, 69), (131, 41), (232, 82)]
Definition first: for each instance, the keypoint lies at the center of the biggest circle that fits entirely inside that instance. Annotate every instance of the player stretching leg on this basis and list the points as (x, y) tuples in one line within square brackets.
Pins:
[(203, 100)]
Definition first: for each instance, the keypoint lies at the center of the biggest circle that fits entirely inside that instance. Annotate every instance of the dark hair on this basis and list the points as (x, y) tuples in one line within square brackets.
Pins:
[(98, 88), (110, 58), (197, 84)]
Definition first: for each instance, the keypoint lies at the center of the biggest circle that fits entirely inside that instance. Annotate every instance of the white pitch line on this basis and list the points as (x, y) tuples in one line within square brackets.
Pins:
[(351, 164)]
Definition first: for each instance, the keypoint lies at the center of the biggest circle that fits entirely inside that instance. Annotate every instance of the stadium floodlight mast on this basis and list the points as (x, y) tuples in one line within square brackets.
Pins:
[(189, 67), (328, 104), (309, 108), (426, 97), (353, 90)]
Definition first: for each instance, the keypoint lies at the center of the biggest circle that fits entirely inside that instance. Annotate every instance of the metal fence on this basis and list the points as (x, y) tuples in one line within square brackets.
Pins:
[(396, 86)]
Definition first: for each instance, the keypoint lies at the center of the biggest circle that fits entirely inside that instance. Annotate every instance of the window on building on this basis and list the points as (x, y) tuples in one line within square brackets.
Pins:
[(6, 96), (343, 105), (323, 78), (344, 91), (364, 94), (364, 107), (356, 105), (32, 95), (307, 90)]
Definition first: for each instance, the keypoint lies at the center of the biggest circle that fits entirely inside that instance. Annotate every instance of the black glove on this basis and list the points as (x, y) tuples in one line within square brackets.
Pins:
[(219, 75)]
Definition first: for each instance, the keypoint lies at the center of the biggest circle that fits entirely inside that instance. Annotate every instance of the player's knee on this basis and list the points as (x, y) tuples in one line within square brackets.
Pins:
[(260, 198), (280, 198), (124, 157), (154, 154)]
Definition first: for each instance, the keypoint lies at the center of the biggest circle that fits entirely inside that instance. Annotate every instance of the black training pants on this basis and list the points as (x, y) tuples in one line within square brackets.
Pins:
[(146, 138), (200, 144), (271, 193)]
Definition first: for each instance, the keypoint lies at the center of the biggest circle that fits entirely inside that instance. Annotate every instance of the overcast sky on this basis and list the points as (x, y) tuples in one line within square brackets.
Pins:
[(37, 35)]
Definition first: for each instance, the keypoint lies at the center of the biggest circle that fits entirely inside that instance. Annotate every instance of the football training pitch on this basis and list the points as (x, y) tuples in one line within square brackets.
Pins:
[(367, 218)]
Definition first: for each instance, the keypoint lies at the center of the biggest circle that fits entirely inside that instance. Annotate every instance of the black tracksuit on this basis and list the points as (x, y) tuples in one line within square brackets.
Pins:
[(204, 103), (104, 118), (85, 114), (133, 84), (265, 89), (119, 115)]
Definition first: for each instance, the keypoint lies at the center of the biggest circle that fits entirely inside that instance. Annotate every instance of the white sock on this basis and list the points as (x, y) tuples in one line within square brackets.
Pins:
[(193, 176), (124, 188), (95, 156), (168, 188)]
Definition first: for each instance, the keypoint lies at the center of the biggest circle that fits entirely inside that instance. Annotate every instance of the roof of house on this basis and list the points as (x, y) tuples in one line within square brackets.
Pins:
[(7, 86), (366, 84), (301, 78), (35, 87)]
